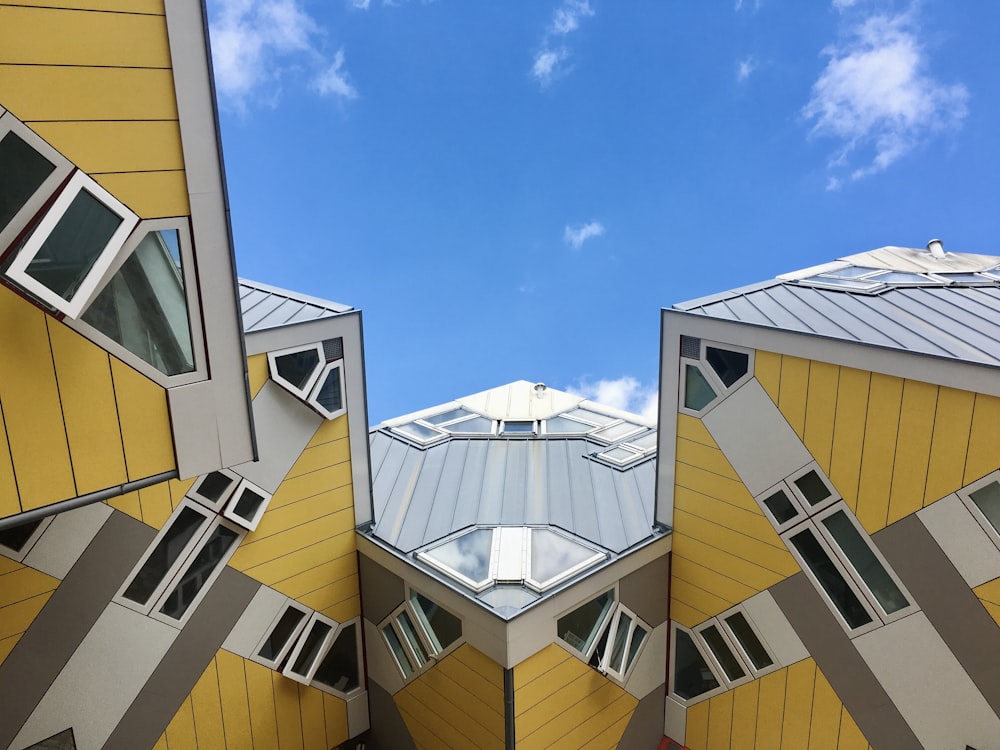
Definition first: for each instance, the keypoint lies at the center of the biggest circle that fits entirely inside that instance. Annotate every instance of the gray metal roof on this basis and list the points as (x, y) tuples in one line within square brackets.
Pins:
[(951, 318), (264, 306)]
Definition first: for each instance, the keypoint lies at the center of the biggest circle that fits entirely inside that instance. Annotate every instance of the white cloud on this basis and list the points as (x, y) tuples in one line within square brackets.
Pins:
[(625, 393), (876, 97), (551, 60), (576, 236), (843, 4), (360, 4), (745, 68), (256, 43), (752, 6)]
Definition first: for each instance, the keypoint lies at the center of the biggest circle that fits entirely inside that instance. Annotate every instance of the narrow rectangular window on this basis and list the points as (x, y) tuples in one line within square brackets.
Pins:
[(830, 578)]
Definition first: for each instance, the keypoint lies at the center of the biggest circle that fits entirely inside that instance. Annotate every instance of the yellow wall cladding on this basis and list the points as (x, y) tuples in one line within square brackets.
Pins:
[(725, 550), (560, 702), (23, 593), (794, 707), (457, 704), (242, 705), (257, 372), (97, 421), (304, 546), (890, 445), (989, 595), (153, 505), (93, 78)]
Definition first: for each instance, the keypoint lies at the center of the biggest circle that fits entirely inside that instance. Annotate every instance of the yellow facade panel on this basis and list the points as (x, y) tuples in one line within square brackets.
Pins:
[(764, 554), (949, 443), (709, 579), (154, 502), (15, 618), (486, 687), (286, 711), (319, 576), (313, 720), (746, 521), (696, 727), (709, 458), (798, 703), (117, 146), (206, 706), (161, 744), (821, 412), (335, 716), (483, 724), (548, 699), (430, 728), (490, 672), (728, 490), (87, 395), (22, 584), (884, 403), (180, 731), (260, 695), (29, 396), (311, 484), (984, 438), (128, 504), (178, 488), (724, 562), (255, 552), (145, 422), (332, 429), (824, 727), (9, 504), (257, 372), (770, 710), (234, 701), (42, 93), (599, 724), (151, 7), (45, 36), (685, 614), (9, 566), (285, 517), (849, 433), (794, 391), (151, 195), (698, 599), (767, 370), (913, 447), (320, 456), (720, 722), (745, 699), (989, 595), (327, 596), (7, 645), (275, 572), (693, 429), (850, 736), (537, 665), (581, 721)]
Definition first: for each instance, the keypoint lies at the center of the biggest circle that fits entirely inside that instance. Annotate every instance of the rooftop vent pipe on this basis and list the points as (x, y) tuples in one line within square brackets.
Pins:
[(935, 248)]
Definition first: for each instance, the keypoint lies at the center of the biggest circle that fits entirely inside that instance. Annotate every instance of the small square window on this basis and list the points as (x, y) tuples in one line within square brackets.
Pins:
[(729, 365), (247, 505), (298, 368), (812, 489), (517, 427), (282, 634), (781, 507), (214, 488)]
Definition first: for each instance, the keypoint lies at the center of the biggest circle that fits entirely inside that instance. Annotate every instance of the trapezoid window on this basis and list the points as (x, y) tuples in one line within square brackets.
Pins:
[(282, 635), (297, 368), (607, 636), (327, 396), (309, 648), (419, 631), (709, 372), (691, 675), (339, 669), (313, 373)]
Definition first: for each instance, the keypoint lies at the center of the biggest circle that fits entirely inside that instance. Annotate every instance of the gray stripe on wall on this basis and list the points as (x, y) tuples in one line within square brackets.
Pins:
[(855, 684), (389, 730), (67, 617), (645, 728), (944, 596), (182, 666)]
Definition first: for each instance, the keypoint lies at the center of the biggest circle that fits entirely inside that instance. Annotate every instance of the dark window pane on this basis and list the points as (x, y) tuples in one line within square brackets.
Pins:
[(602, 644), (781, 507), (831, 579), (442, 626), (812, 488), (74, 245), (987, 499), (697, 392), (329, 396), (692, 676), (729, 366), (618, 648), (310, 649), (518, 426), (198, 572), (339, 668), (860, 555), (215, 485), (410, 634), (638, 635), (165, 554), (279, 636), (398, 651), (579, 627), (23, 171), (248, 504), (749, 641), (297, 367), (15, 537), (722, 653)]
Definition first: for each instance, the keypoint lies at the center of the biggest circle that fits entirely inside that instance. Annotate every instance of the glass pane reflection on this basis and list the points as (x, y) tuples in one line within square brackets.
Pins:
[(469, 555)]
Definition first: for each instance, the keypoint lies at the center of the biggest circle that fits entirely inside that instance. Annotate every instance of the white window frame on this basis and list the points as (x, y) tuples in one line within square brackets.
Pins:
[(522, 433), (541, 586), (392, 623), (612, 627), (711, 376), (598, 628), (965, 495), (797, 494), (292, 639), (306, 677), (313, 399), (717, 667), (229, 509), (706, 657), (305, 390), (17, 271), (19, 554), (744, 378), (477, 586), (10, 124), (217, 505), (356, 622), (431, 636), (740, 650)]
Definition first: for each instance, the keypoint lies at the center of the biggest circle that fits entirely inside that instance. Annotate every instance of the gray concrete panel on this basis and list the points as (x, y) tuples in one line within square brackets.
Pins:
[(357, 715), (850, 676), (674, 720), (389, 732), (255, 620), (950, 605), (65, 539), (778, 634), (650, 669), (645, 728), (381, 591), (185, 661), (101, 679), (928, 686), (66, 618), (284, 427), (382, 669), (199, 451), (738, 424), (646, 591), (962, 539)]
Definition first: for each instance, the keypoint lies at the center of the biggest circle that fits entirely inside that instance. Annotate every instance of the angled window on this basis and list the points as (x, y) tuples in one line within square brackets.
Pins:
[(339, 669), (729, 365), (440, 625), (215, 488), (148, 306), (607, 636), (734, 647), (692, 677), (719, 370), (419, 432), (518, 427), (697, 391), (618, 430), (419, 631), (982, 498), (16, 541), (30, 172), (327, 396), (310, 647), (465, 558), (298, 368), (282, 635), (581, 627), (65, 257), (247, 505), (748, 640), (724, 653)]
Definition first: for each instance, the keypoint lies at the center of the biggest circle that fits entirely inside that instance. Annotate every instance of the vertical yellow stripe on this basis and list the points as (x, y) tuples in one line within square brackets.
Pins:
[(849, 433), (767, 370), (881, 426), (145, 422), (792, 394), (798, 704), (913, 447), (286, 709), (850, 737), (335, 713), (234, 704), (952, 423), (313, 721), (745, 714), (770, 709), (155, 504), (208, 709), (127, 503), (821, 412), (720, 721), (826, 709), (983, 440), (180, 730), (696, 726), (260, 693), (9, 504), (257, 372)]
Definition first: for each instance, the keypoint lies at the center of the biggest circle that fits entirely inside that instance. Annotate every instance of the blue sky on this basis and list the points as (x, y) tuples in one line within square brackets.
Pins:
[(512, 190)]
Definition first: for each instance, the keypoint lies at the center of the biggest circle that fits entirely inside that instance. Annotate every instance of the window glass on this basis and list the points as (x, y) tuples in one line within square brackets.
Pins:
[(749, 641), (339, 668), (164, 555), (728, 365), (697, 392), (600, 649), (509, 597), (645, 442), (329, 396), (144, 305), (311, 647), (579, 628), (987, 499), (442, 626), (860, 555), (723, 654), (621, 639), (638, 636), (410, 634), (861, 285), (831, 579), (553, 554), (447, 416), (562, 426), (473, 426), (616, 431), (215, 486), (281, 632), (398, 651), (15, 537), (297, 367), (23, 171), (418, 431), (74, 245), (248, 504), (469, 555), (622, 455), (692, 675), (781, 507), (852, 272), (900, 277), (812, 487), (199, 572), (518, 426)]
